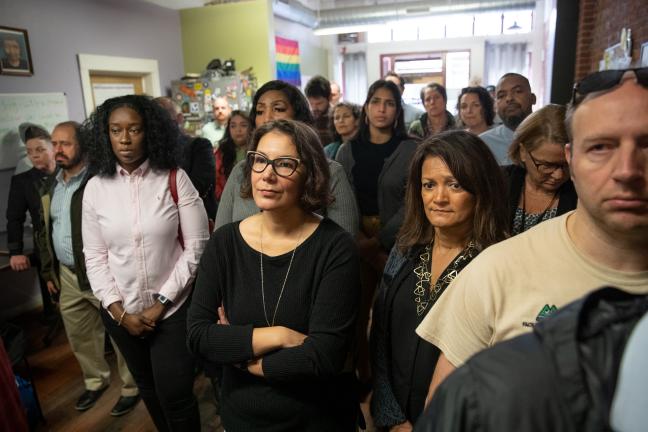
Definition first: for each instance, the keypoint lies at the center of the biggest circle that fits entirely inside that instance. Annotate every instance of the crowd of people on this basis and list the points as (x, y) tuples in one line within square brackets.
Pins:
[(447, 268)]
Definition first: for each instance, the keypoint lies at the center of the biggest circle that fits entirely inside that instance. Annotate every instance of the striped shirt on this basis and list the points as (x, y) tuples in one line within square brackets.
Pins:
[(60, 214)]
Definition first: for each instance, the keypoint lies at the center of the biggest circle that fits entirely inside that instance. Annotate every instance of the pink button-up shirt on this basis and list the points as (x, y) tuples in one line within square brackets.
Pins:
[(130, 237)]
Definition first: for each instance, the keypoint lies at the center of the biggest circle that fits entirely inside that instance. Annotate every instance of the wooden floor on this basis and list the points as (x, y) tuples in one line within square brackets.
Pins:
[(59, 384)]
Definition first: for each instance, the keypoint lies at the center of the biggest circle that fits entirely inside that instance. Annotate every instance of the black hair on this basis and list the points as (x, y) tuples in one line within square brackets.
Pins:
[(34, 131), (398, 127), (485, 100), (295, 97), (227, 146), (514, 74), (436, 87), (160, 135), (318, 86)]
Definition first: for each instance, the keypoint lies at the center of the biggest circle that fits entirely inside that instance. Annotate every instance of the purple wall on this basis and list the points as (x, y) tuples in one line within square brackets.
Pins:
[(60, 29)]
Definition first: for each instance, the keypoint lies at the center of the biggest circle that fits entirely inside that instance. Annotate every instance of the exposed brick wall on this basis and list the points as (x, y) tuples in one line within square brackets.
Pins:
[(600, 24)]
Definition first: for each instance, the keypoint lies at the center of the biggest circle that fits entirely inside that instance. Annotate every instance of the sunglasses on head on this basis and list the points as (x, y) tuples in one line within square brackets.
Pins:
[(605, 80)]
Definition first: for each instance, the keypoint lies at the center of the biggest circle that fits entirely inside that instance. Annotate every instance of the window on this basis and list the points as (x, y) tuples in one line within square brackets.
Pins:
[(518, 22), (459, 25), (488, 24)]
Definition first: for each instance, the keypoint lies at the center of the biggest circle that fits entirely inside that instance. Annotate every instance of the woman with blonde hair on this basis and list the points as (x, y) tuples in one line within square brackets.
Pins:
[(538, 180)]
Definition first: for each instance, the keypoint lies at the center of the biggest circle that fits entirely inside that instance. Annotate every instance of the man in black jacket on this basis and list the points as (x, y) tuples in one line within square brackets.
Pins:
[(197, 159), (23, 198), (561, 377)]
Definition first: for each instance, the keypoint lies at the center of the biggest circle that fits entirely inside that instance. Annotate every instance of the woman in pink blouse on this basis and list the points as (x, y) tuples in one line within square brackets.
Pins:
[(142, 247)]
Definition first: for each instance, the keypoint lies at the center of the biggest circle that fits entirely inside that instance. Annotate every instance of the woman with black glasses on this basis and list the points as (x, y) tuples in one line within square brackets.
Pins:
[(278, 309), (538, 180)]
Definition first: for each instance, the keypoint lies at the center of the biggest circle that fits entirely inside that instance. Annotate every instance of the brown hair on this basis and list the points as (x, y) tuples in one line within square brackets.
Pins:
[(475, 168), (545, 125), (316, 193)]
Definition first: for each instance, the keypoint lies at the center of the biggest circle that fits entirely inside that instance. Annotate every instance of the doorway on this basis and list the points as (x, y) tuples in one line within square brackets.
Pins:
[(106, 86), (121, 73)]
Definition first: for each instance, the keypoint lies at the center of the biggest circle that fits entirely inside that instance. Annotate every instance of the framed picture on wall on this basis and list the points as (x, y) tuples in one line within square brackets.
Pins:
[(15, 56), (644, 54)]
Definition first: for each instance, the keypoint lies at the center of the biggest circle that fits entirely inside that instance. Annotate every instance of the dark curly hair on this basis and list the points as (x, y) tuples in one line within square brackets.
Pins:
[(297, 100), (485, 100), (316, 193), (160, 135), (473, 165), (227, 146)]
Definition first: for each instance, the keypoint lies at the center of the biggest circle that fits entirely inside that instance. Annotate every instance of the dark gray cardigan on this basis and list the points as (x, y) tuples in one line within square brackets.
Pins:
[(391, 187)]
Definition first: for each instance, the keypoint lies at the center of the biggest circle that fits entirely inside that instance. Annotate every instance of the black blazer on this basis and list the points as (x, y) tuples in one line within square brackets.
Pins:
[(23, 197), (514, 175)]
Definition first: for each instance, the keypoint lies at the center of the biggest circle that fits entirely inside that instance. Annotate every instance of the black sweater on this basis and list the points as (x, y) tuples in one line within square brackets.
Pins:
[(304, 388)]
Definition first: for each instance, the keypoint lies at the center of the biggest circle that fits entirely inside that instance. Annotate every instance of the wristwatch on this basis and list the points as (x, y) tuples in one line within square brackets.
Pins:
[(164, 300)]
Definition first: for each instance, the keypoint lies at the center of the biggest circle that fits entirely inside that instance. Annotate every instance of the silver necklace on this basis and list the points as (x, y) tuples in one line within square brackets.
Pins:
[(274, 315)]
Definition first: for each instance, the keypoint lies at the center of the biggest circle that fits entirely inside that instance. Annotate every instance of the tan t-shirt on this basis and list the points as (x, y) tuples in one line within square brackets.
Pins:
[(512, 285)]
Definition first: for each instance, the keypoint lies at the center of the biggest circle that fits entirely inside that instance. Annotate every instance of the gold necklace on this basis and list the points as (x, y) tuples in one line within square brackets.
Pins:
[(274, 315)]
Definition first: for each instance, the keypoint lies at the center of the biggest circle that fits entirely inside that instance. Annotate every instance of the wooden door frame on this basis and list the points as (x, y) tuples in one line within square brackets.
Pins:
[(90, 63)]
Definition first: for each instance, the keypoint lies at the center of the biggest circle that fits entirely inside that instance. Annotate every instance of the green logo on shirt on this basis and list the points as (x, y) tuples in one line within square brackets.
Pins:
[(546, 311)]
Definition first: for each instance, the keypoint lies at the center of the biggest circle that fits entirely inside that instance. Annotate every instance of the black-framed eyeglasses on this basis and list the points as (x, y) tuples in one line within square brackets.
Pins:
[(605, 80), (283, 166), (548, 168)]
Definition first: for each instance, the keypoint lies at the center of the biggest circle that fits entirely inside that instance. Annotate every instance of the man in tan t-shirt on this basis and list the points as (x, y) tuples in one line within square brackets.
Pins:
[(514, 284)]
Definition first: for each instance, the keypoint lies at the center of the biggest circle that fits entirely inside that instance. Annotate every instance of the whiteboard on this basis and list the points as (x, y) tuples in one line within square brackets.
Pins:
[(45, 109)]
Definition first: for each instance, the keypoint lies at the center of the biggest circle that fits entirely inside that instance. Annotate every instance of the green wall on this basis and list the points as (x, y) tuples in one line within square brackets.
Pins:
[(233, 30)]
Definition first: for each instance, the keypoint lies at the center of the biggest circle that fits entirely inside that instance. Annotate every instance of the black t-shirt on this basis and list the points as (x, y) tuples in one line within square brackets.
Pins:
[(304, 388), (369, 160)]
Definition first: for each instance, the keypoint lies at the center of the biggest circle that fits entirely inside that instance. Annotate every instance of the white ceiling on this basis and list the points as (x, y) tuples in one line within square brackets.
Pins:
[(311, 4)]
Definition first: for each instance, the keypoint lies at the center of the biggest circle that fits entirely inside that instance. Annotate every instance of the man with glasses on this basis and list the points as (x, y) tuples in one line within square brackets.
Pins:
[(513, 102), (513, 285)]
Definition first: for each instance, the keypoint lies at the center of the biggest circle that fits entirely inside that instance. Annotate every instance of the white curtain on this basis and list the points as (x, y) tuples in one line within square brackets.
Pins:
[(355, 77), (503, 58)]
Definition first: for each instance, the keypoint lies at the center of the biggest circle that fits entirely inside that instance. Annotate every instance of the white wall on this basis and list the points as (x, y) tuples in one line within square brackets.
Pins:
[(314, 57), (536, 41)]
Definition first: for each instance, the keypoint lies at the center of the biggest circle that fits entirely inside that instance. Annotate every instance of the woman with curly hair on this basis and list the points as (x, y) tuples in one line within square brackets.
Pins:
[(277, 310), (475, 109), (231, 148), (144, 230)]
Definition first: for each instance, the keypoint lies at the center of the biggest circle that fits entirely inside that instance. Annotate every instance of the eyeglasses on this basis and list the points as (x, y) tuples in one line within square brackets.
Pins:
[(547, 168), (605, 80), (282, 166)]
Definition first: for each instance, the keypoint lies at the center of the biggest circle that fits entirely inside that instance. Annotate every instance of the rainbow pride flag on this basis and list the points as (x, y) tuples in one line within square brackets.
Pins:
[(287, 58)]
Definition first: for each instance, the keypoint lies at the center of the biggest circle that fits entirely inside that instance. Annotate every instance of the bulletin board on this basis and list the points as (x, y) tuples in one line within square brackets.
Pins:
[(45, 109)]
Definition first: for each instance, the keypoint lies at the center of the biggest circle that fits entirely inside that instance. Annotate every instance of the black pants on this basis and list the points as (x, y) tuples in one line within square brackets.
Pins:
[(163, 369)]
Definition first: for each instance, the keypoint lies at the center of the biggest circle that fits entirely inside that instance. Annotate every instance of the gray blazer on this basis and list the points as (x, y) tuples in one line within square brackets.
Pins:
[(343, 211)]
